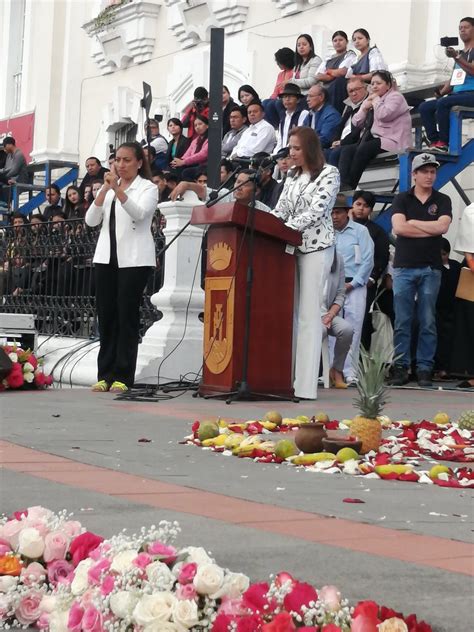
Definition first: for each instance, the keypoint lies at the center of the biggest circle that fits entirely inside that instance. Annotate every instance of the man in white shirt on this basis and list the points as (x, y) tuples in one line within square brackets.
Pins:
[(259, 136)]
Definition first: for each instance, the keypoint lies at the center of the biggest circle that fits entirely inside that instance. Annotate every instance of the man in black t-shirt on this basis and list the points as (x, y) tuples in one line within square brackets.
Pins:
[(420, 217)]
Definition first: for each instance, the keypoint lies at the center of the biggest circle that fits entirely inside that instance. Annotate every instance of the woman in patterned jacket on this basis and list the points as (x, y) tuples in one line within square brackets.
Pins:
[(305, 205)]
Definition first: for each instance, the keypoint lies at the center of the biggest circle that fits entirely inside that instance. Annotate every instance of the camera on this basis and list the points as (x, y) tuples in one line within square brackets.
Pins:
[(158, 117), (448, 42)]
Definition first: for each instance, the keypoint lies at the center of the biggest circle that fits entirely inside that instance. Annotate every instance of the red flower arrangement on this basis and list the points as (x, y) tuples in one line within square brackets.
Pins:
[(25, 372)]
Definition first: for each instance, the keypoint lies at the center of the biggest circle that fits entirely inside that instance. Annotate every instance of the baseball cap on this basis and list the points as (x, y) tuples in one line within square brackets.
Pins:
[(422, 160)]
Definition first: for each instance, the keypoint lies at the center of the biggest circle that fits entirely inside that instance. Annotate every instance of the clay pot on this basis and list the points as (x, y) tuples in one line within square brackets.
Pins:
[(309, 437), (334, 444)]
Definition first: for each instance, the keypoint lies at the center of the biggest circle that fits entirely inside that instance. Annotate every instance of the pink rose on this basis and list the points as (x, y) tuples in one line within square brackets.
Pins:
[(97, 570), (187, 573), (71, 528), (4, 547), (363, 623), (186, 591), (34, 573), (43, 621), (39, 513), (28, 610), (60, 572), (302, 594), (107, 585), (331, 597), (10, 532), (75, 617), (232, 607), (92, 620), (36, 523), (166, 554), (142, 560), (55, 546)]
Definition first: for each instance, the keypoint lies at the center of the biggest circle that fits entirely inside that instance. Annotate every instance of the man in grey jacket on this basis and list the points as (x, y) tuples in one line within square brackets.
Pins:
[(238, 124), (15, 169), (335, 324)]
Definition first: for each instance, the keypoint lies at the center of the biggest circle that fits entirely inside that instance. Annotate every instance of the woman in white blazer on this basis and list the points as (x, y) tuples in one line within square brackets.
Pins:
[(123, 259)]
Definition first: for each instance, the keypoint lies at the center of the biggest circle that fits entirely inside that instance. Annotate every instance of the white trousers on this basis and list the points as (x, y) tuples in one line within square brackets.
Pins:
[(312, 273), (354, 310)]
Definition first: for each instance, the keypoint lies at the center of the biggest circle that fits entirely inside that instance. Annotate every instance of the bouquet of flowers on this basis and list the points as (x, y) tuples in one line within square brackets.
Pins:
[(26, 370), (61, 579), (37, 553)]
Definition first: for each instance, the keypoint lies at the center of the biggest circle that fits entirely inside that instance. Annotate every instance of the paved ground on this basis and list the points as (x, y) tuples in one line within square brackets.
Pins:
[(76, 450)]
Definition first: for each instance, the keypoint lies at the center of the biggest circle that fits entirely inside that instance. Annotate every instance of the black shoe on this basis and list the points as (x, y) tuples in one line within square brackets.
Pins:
[(399, 377), (424, 378)]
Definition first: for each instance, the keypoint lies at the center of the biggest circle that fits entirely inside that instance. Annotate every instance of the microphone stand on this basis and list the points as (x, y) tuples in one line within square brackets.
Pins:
[(243, 390)]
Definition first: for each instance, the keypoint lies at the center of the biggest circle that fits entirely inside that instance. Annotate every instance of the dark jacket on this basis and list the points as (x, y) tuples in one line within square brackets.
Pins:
[(324, 122), (381, 244), (183, 144), (15, 167), (355, 132), (226, 116)]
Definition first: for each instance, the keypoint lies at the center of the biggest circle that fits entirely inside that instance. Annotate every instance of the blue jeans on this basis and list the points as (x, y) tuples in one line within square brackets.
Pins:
[(437, 112), (415, 288)]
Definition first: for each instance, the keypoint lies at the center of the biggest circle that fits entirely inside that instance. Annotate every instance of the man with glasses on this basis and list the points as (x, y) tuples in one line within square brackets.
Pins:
[(346, 133)]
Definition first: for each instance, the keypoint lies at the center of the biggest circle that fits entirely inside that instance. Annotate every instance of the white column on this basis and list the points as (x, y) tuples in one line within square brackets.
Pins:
[(176, 341)]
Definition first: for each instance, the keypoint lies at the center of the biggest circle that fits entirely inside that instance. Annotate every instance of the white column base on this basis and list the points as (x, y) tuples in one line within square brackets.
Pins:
[(173, 346)]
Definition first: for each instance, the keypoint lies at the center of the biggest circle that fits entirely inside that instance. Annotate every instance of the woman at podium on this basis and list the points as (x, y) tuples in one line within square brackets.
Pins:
[(305, 205)]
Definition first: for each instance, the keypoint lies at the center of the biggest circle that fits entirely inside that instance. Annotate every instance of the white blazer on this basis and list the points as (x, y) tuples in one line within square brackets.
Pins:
[(135, 243)]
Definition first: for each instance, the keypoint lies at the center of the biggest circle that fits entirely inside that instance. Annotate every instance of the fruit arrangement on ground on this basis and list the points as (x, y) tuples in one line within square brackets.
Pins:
[(435, 451)]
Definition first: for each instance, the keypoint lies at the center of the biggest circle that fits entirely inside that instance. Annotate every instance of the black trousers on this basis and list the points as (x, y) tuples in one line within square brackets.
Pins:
[(354, 159), (118, 295), (367, 328)]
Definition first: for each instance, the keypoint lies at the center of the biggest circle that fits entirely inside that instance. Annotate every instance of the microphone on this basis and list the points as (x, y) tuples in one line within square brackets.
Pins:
[(273, 159)]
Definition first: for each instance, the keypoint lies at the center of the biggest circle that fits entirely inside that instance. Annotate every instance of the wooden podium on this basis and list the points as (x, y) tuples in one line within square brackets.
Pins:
[(272, 299)]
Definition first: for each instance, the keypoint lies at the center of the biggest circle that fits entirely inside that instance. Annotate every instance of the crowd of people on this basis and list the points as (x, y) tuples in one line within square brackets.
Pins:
[(333, 116)]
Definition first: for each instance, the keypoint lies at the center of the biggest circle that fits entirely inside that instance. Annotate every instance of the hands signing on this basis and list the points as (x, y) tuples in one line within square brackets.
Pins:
[(111, 181)]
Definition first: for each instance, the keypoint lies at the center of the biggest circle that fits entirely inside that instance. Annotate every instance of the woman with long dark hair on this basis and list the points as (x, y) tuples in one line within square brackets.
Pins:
[(306, 63), (370, 58), (178, 143), (305, 205), (332, 72), (123, 259), (195, 156), (247, 95), (74, 204)]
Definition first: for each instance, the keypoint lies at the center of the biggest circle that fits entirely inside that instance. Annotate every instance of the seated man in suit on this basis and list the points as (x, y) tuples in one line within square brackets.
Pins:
[(322, 117)]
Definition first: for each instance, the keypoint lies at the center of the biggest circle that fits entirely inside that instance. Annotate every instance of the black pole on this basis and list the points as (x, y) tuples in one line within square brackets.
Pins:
[(216, 78)]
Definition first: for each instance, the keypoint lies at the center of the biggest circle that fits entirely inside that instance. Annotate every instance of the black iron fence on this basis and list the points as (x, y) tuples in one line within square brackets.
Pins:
[(46, 270)]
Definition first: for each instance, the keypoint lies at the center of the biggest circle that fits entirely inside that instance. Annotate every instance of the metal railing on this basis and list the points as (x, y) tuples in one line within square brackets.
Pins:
[(46, 270)]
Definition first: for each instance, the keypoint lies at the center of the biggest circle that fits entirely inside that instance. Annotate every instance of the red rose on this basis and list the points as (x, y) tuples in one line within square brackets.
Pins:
[(251, 623), (222, 622), (15, 377), (255, 598), (388, 613), (368, 608), (329, 628), (283, 622), (302, 594), (83, 545), (40, 379)]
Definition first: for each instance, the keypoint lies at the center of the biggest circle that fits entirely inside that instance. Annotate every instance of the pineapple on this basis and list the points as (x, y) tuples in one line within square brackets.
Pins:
[(372, 398), (466, 420)]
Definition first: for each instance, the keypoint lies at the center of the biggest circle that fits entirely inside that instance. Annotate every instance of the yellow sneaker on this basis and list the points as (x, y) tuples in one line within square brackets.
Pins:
[(118, 387), (101, 386)]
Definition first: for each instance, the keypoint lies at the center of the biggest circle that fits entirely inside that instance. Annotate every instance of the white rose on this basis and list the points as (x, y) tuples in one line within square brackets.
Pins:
[(197, 554), (122, 603), (393, 625), (28, 376), (7, 582), (153, 608), (5, 605), (48, 604), (122, 562), (185, 613), (28, 367), (30, 543), (13, 357), (208, 579), (80, 582), (58, 621), (235, 584), (160, 575)]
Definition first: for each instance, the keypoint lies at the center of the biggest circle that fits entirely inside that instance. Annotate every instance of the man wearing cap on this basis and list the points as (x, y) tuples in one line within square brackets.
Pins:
[(420, 217), (15, 169), (259, 136), (322, 117), (354, 244), (294, 115)]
